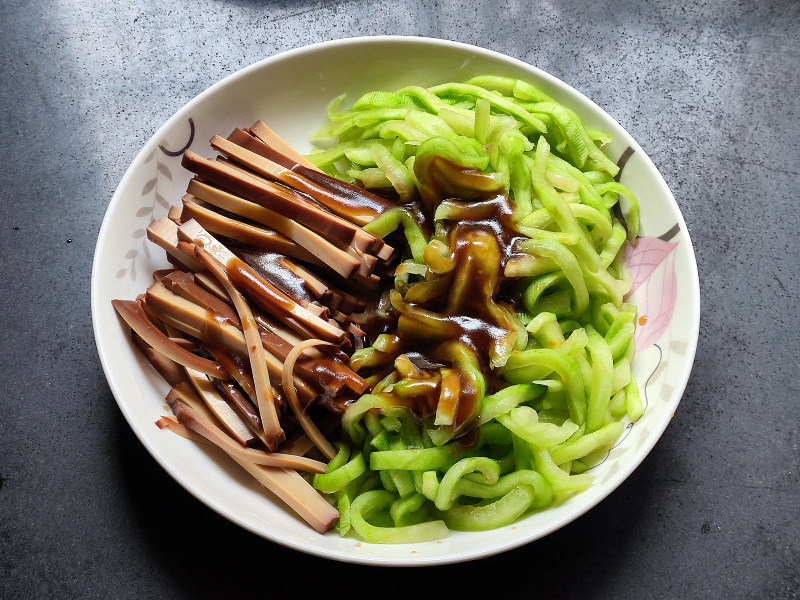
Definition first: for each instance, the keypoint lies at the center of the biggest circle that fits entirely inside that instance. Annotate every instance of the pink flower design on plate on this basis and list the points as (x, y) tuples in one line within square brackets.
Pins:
[(654, 289)]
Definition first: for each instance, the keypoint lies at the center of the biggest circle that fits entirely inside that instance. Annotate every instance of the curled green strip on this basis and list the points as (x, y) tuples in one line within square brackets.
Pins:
[(587, 444), (497, 101), (424, 459), (504, 400), (502, 512), (566, 261), (543, 491), (447, 495), (397, 217), (632, 215), (524, 423), (408, 510), (559, 208), (359, 119), (563, 364), (560, 481), (600, 384), (369, 503), (337, 479), (633, 401)]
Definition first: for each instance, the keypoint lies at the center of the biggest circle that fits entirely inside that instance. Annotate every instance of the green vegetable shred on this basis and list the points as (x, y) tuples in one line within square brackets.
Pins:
[(502, 372)]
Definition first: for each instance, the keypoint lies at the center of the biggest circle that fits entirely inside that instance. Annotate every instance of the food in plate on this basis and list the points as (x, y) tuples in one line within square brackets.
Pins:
[(433, 303)]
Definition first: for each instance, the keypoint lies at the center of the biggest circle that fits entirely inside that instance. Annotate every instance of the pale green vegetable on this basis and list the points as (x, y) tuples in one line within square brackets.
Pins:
[(567, 391)]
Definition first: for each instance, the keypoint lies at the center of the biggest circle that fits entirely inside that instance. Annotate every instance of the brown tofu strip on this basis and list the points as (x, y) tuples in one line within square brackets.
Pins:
[(278, 198), (273, 329), (355, 194), (134, 316), (200, 423), (348, 302), (326, 253), (297, 196), (358, 214), (164, 233), (265, 399), (232, 422), (172, 372), (270, 324), (317, 287), (341, 318), (299, 445), (356, 330), (386, 253), (159, 274), (246, 139), (262, 131), (194, 319), (306, 369), (370, 283), (235, 367), (335, 300), (174, 214), (366, 261), (184, 343), (241, 404), (183, 284), (348, 199), (362, 240), (194, 414), (154, 320), (313, 283), (266, 295), (288, 485), (296, 492), (175, 426), (316, 309), (209, 283), (203, 324), (352, 195), (249, 234)]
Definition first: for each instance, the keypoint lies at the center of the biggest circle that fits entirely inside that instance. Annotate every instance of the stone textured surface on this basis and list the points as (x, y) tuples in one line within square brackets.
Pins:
[(711, 91)]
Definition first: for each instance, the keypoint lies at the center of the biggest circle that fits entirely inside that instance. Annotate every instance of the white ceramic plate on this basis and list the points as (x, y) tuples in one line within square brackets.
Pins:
[(290, 92)]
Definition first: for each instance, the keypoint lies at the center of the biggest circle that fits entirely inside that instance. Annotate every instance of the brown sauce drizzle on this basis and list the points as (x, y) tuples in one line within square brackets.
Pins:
[(461, 305), (492, 216)]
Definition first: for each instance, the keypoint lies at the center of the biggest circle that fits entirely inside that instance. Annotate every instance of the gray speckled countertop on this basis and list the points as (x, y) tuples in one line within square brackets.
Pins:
[(709, 89)]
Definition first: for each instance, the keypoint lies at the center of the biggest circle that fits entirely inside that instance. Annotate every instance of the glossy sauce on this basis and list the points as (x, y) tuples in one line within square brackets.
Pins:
[(464, 310), (352, 201), (270, 266)]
